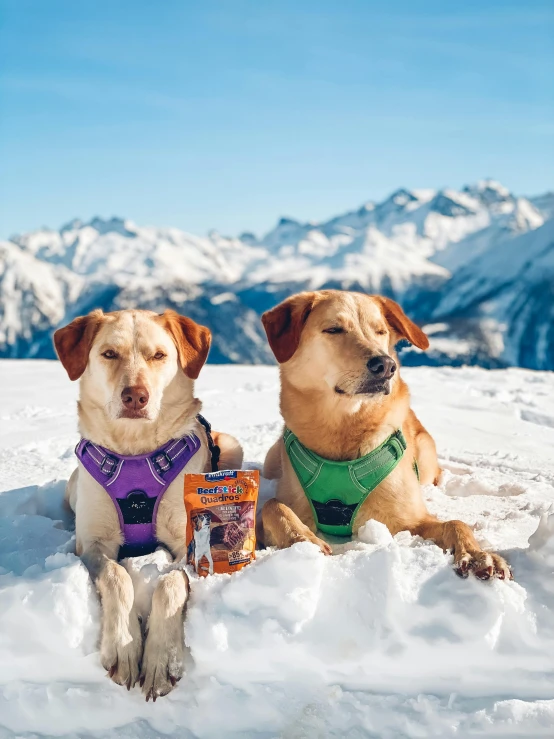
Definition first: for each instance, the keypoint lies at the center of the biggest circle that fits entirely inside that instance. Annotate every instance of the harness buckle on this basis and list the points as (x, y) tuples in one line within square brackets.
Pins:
[(402, 439), (162, 462), (398, 443), (108, 465)]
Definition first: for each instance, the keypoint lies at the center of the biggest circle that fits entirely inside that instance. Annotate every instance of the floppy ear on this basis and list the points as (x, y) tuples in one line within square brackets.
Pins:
[(284, 323), (192, 341), (400, 322), (74, 341)]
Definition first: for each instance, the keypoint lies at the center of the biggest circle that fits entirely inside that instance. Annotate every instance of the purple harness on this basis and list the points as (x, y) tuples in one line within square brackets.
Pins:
[(136, 485)]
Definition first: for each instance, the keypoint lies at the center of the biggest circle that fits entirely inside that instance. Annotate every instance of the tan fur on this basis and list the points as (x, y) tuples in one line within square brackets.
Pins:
[(161, 354), (324, 402)]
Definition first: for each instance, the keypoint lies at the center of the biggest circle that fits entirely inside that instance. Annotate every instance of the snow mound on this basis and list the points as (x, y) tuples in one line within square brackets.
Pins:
[(381, 639)]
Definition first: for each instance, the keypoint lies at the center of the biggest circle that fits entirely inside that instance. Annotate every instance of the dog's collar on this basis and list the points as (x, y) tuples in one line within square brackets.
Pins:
[(136, 485), (336, 490)]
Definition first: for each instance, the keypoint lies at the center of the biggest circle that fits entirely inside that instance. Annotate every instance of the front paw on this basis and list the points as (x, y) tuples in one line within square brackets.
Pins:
[(121, 651), (313, 539), (162, 664), (484, 565)]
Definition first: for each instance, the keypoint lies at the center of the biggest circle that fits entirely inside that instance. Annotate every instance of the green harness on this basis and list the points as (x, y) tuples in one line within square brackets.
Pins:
[(337, 489)]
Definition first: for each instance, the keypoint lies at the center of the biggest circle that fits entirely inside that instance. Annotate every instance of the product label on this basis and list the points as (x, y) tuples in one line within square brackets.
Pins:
[(221, 520)]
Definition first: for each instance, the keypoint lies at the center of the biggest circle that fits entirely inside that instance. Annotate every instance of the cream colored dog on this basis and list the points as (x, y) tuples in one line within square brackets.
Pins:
[(137, 372), (342, 396)]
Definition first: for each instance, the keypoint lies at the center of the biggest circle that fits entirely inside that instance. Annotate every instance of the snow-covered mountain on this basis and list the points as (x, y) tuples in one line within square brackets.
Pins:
[(476, 265)]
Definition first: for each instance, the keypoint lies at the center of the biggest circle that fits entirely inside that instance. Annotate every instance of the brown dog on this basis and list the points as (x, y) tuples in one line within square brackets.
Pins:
[(136, 371), (342, 396)]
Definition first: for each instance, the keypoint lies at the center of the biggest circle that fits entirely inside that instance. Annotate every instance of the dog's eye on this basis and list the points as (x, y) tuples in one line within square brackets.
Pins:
[(159, 355), (110, 354), (381, 332), (334, 330)]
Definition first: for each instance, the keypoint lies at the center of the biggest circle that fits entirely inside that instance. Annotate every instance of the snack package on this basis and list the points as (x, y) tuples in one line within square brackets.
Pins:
[(221, 520)]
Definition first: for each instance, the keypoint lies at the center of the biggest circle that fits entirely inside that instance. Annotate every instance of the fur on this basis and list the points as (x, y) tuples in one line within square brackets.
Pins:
[(112, 355), (324, 342)]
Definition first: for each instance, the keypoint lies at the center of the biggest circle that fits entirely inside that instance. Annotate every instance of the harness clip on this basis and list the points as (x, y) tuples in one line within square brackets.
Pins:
[(399, 444), (108, 466), (162, 462)]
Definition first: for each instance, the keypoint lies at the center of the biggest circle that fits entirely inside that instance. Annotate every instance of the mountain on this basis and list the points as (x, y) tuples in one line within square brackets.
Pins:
[(475, 265), (505, 296)]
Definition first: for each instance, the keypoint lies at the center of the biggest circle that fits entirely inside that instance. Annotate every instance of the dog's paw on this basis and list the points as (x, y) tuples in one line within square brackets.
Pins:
[(484, 565), (120, 653), (162, 666), (311, 537)]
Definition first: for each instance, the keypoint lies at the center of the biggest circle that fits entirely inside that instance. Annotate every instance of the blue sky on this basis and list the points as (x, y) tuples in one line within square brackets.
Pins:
[(227, 114)]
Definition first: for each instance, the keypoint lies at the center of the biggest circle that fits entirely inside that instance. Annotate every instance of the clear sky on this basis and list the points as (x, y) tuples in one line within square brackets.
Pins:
[(229, 113)]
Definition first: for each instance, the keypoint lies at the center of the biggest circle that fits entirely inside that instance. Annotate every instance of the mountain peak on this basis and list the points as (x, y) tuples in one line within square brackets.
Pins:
[(401, 197), (115, 224), (247, 237), (102, 225), (451, 203), (72, 225), (366, 208), (284, 221), (489, 184), (489, 191)]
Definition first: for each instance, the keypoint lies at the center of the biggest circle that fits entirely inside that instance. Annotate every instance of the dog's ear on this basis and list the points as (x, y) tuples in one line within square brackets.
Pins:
[(192, 341), (401, 324), (74, 341), (284, 323)]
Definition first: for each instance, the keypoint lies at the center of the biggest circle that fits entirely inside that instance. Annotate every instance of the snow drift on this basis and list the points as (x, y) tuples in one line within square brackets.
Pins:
[(380, 639)]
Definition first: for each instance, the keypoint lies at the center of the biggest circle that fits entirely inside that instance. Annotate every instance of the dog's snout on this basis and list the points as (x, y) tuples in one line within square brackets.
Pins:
[(382, 368), (135, 397)]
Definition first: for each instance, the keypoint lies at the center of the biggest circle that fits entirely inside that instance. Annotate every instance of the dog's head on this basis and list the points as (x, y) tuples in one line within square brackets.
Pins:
[(201, 520), (340, 342), (131, 362)]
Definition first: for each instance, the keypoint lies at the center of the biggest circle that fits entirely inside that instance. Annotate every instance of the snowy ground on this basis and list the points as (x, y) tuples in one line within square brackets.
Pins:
[(381, 640)]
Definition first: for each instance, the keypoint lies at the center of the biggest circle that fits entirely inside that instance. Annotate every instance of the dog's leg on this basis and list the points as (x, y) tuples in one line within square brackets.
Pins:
[(457, 537), (70, 497), (121, 641), (428, 464), (283, 528), (272, 464), (162, 663)]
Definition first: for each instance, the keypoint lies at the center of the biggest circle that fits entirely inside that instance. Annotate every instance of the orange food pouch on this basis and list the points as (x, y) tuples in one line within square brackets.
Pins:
[(221, 520)]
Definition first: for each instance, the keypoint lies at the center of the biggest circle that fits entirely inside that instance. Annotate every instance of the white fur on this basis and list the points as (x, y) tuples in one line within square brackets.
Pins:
[(172, 410)]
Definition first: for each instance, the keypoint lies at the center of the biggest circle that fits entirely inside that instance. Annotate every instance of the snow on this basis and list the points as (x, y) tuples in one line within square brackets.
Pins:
[(380, 639)]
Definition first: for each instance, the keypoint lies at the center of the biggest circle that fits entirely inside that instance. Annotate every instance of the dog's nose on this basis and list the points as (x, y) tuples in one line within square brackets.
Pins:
[(382, 368), (135, 397)]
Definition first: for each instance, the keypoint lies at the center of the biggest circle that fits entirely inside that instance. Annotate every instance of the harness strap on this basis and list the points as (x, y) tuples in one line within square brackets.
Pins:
[(337, 489), (215, 451), (160, 463)]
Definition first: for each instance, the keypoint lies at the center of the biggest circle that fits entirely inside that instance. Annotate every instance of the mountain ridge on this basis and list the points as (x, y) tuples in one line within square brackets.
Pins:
[(430, 249)]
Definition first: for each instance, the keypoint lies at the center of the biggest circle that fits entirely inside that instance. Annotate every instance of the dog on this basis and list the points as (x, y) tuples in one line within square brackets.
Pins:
[(140, 428), (342, 398), (201, 528)]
